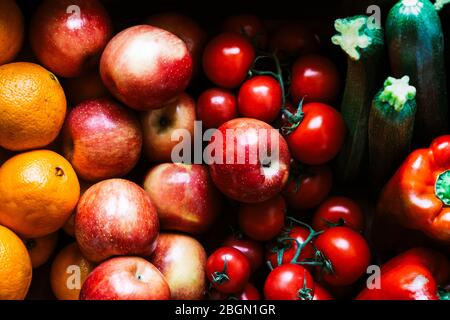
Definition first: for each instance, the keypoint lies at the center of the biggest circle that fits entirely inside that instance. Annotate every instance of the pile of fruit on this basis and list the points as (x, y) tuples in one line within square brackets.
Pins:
[(160, 161)]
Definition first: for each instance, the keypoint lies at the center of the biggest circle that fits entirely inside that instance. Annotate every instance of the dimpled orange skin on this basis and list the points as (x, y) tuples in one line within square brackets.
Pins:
[(11, 30), (32, 106), (15, 266), (61, 276), (38, 191), (40, 249)]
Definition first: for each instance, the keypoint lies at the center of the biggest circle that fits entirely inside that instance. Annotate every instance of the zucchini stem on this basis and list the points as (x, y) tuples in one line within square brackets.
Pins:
[(397, 92)]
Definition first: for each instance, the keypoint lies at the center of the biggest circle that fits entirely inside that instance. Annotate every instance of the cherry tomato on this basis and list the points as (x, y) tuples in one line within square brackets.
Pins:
[(289, 247), (309, 188), (316, 79), (348, 253), (293, 39), (338, 210), (228, 270), (252, 249), (320, 293), (289, 282), (319, 136), (264, 220), (250, 26), (249, 293), (227, 59), (216, 106), (260, 98)]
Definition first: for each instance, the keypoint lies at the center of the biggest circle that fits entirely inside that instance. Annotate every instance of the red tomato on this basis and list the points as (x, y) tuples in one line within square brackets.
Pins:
[(227, 59), (248, 25), (264, 220), (260, 98), (249, 293), (293, 39), (337, 210), (216, 106), (320, 293), (319, 136), (252, 249), (310, 188), (348, 253), (316, 79), (289, 282), (228, 270), (290, 247)]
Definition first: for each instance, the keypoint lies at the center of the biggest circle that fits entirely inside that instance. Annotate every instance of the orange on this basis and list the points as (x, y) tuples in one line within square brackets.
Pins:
[(15, 266), (11, 30), (69, 270), (32, 106), (38, 191), (40, 249)]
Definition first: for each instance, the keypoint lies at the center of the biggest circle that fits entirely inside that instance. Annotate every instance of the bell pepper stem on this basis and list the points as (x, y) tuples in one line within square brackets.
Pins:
[(442, 187)]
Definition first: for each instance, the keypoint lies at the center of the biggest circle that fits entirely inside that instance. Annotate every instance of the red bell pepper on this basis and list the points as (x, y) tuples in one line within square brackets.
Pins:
[(413, 275), (418, 195)]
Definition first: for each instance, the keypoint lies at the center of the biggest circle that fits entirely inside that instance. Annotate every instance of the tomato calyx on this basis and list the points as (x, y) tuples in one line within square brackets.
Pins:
[(220, 277), (305, 293), (294, 119), (444, 293), (330, 224)]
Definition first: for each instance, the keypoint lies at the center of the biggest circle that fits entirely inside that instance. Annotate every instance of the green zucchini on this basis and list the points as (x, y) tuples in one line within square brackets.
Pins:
[(391, 125), (416, 48), (363, 43)]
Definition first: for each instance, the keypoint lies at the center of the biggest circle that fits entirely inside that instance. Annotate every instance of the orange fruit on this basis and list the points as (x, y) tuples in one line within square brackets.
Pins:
[(32, 106), (11, 30), (40, 249), (15, 266), (38, 192), (69, 270)]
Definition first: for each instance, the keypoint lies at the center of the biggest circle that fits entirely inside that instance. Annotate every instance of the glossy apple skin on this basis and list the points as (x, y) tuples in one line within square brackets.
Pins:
[(102, 139), (158, 126), (66, 43), (184, 196), (250, 182), (186, 29), (182, 260), (216, 106), (116, 217), (146, 67), (125, 278)]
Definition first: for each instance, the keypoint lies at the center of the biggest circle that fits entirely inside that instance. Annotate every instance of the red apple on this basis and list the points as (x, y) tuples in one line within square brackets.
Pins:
[(68, 36), (186, 29), (158, 126), (102, 139), (115, 217), (146, 67), (182, 260), (251, 164), (184, 196), (125, 278)]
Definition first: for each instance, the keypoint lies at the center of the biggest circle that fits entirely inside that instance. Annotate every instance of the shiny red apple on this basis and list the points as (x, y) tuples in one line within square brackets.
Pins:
[(68, 36), (249, 160), (102, 139), (125, 278), (146, 67), (159, 125), (186, 29), (115, 217), (182, 260), (184, 196)]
